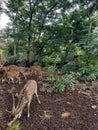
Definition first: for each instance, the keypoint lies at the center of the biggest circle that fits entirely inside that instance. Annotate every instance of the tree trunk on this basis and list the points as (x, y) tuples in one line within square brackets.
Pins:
[(29, 34), (16, 43), (28, 52)]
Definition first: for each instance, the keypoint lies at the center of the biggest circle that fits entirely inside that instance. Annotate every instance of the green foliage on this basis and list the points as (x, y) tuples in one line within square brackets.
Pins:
[(85, 71), (70, 80), (52, 32), (59, 83), (91, 77), (11, 59), (52, 69), (96, 73), (19, 59), (11, 48), (15, 126), (88, 73), (71, 66)]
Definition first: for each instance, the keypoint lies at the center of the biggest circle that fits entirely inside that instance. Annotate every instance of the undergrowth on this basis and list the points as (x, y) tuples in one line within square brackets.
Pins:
[(15, 126)]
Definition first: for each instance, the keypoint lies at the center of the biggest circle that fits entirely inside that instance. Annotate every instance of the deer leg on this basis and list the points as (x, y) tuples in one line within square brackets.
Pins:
[(20, 114), (38, 98), (31, 72), (8, 80), (29, 108), (36, 72), (40, 75), (18, 79), (24, 75), (12, 80)]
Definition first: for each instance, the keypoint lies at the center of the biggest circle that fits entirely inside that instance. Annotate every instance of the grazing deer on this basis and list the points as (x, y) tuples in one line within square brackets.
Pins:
[(11, 76), (24, 99), (12, 68), (20, 69), (37, 70)]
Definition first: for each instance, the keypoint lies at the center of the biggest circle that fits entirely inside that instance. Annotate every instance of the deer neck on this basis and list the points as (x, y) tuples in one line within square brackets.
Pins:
[(19, 108), (13, 107)]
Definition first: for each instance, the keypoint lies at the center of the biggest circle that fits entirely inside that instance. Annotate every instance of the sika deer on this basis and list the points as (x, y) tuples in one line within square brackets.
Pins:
[(11, 75), (37, 70), (25, 98)]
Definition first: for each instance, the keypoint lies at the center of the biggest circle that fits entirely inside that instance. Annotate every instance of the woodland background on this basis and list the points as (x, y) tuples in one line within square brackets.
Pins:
[(61, 35)]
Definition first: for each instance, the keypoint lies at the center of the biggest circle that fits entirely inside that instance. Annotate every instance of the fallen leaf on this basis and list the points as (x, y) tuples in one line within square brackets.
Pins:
[(65, 114), (93, 106)]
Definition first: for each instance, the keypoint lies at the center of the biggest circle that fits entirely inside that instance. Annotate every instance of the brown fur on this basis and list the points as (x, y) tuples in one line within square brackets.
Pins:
[(37, 70), (25, 98), (11, 75)]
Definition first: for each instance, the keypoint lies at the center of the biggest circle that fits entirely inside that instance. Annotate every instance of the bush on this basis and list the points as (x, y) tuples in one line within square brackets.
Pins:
[(91, 77), (18, 60), (88, 73), (59, 83), (51, 69), (71, 66)]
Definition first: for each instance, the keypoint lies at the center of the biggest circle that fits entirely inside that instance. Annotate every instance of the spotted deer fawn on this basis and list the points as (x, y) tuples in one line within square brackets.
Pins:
[(24, 99), (37, 70), (11, 76)]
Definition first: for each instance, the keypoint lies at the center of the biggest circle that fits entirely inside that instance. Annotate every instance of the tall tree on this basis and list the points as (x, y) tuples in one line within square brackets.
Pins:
[(47, 28)]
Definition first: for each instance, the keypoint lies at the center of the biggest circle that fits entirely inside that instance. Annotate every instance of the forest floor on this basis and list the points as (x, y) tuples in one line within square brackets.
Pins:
[(68, 110)]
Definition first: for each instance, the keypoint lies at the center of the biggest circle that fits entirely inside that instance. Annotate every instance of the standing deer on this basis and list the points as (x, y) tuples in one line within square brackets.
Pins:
[(25, 98)]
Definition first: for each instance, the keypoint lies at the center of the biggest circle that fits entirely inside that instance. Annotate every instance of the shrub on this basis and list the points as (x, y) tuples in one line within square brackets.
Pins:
[(18, 60), (91, 77), (52, 69), (88, 73), (59, 83)]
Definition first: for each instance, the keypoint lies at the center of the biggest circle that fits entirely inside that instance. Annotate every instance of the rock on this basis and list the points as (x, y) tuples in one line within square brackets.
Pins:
[(42, 89), (90, 87), (95, 83), (82, 86), (85, 93), (49, 90), (81, 80), (94, 106)]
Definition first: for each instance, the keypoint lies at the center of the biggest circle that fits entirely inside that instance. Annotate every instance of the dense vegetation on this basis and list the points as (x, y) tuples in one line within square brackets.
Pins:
[(60, 35)]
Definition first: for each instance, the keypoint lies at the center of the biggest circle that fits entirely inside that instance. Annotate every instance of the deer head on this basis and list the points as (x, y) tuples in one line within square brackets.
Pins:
[(2, 62)]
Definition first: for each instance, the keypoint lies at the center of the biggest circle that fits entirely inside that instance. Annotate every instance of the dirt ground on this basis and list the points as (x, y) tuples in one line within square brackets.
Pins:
[(58, 111)]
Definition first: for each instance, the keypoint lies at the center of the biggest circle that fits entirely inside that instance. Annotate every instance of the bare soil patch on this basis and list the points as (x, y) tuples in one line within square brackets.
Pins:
[(58, 111)]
